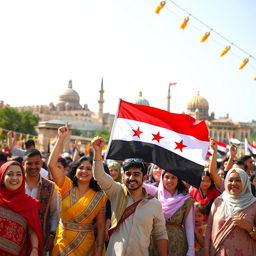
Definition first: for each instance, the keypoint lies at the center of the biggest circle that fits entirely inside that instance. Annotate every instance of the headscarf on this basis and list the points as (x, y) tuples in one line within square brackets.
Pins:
[(170, 204), (118, 166), (21, 203), (236, 203)]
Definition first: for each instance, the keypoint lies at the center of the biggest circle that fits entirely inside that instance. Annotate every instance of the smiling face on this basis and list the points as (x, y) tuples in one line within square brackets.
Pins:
[(84, 172), (13, 177), (156, 173), (170, 182), (33, 165), (234, 184), (205, 183), (133, 178), (114, 172)]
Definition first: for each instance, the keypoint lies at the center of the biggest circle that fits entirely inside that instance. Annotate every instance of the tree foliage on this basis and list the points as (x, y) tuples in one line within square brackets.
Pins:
[(104, 134), (23, 122)]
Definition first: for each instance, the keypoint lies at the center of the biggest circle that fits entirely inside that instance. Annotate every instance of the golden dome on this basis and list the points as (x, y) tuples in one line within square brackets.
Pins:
[(197, 102)]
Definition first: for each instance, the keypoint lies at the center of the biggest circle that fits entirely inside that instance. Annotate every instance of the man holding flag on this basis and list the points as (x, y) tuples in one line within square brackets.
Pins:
[(135, 215), (175, 142)]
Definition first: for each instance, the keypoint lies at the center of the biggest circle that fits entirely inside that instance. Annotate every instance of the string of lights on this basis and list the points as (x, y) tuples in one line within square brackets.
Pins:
[(209, 32)]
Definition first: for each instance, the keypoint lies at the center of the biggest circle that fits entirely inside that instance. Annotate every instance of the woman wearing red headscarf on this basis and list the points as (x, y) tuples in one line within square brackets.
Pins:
[(20, 231)]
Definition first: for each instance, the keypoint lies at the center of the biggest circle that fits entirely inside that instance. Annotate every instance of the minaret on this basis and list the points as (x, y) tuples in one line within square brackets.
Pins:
[(70, 84), (169, 98), (101, 100)]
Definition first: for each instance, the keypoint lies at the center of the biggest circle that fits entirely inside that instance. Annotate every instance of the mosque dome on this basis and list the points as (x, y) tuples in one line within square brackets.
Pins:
[(197, 102), (141, 101), (71, 97)]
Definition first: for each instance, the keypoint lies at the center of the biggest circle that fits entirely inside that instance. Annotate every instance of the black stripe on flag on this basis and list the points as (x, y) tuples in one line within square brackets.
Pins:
[(179, 166)]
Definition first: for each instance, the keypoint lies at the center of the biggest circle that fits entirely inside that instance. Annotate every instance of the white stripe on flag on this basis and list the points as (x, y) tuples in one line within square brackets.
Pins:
[(195, 151)]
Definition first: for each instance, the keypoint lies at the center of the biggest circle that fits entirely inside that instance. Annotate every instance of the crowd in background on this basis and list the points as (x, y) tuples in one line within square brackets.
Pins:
[(61, 205)]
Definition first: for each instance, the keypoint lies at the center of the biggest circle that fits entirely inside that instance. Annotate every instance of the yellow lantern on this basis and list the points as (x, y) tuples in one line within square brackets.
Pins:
[(184, 23), (225, 50), (254, 78), (245, 61), (205, 36), (160, 7), (1, 131)]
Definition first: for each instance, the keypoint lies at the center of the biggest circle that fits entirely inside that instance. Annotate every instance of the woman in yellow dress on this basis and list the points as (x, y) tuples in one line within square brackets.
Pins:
[(82, 201)]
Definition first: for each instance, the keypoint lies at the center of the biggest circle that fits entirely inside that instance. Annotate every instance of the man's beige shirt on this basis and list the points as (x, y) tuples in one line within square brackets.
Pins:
[(133, 235)]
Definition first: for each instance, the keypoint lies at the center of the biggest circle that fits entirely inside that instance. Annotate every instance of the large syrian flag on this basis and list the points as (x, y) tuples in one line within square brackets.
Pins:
[(175, 142)]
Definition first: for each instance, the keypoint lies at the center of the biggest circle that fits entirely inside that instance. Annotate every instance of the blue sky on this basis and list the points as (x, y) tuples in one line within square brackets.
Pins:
[(46, 43)]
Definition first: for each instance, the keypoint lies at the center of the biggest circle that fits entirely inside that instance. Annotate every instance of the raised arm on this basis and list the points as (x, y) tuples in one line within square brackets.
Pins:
[(105, 181), (11, 140), (232, 157), (213, 164), (77, 150), (57, 174)]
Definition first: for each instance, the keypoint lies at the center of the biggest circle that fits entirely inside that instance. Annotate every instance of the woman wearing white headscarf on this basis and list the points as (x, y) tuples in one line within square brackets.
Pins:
[(231, 225)]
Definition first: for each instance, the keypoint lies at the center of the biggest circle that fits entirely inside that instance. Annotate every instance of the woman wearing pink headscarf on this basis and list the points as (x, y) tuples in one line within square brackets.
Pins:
[(178, 211)]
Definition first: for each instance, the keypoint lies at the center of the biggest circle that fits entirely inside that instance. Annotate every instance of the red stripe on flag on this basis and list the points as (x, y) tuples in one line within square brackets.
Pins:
[(179, 123), (251, 145), (221, 144)]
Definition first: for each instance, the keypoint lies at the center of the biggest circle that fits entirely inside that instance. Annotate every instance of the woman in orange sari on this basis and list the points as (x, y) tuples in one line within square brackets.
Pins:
[(82, 201), (20, 230)]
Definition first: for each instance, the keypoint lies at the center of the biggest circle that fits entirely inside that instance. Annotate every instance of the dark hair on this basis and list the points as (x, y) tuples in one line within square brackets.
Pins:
[(181, 187), (62, 161), (252, 176), (132, 163), (245, 158), (225, 160), (29, 143), (206, 173), (3, 156), (18, 159), (241, 162), (72, 174), (201, 208), (32, 152)]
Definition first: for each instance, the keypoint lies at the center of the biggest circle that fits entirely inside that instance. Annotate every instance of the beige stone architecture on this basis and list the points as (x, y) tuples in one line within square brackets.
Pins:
[(220, 129), (69, 109)]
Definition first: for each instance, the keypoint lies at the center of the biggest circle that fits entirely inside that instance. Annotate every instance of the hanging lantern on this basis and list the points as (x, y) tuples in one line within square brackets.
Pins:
[(245, 61), (160, 7), (205, 36), (20, 138), (27, 136), (1, 131), (225, 50), (184, 23), (254, 78)]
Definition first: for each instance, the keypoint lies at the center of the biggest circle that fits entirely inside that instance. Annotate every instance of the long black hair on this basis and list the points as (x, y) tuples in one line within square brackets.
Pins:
[(181, 187), (72, 174), (206, 173)]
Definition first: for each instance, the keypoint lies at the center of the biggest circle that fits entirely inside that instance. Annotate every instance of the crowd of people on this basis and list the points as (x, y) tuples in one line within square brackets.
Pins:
[(86, 205)]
